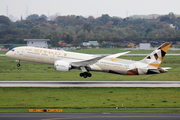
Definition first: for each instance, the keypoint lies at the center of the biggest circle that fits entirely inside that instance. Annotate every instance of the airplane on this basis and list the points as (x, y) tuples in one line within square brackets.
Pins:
[(65, 61)]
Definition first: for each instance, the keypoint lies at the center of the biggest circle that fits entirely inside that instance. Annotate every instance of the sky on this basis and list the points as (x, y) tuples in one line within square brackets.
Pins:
[(119, 8)]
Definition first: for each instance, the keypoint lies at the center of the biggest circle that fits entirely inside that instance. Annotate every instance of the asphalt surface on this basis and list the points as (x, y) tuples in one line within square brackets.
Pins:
[(89, 116), (138, 54), (2, 54), (89, 83)]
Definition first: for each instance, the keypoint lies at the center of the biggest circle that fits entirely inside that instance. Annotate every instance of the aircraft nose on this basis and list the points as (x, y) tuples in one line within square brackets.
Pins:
[(8, 53)]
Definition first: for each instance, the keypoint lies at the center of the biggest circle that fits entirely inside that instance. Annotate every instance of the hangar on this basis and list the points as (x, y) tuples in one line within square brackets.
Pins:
[(40, 43)]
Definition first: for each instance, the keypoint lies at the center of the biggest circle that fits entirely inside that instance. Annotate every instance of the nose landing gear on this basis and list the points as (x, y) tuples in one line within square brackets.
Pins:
[(18, 65)]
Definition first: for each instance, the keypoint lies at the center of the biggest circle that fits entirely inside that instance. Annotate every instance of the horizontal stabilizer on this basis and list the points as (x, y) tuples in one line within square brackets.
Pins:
[(166, 68), (156, 71)]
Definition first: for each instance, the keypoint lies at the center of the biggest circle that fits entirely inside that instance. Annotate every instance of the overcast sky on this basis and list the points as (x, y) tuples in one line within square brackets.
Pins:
[(89, 7)]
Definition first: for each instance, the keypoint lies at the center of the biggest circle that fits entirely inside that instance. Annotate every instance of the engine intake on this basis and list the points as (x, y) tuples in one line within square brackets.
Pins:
[(61, 65)]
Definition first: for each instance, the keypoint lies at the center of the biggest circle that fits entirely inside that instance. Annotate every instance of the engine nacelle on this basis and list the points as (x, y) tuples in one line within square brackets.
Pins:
[(61, 65)]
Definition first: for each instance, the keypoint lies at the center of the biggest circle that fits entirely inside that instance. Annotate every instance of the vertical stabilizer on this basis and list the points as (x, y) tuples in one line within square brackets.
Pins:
[(155, 58)]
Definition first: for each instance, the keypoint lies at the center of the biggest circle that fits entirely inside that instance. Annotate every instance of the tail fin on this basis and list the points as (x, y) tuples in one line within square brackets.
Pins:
[(155, 58)]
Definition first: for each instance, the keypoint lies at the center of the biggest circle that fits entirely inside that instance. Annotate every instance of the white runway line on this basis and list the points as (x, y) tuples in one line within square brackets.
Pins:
[(89, 83)]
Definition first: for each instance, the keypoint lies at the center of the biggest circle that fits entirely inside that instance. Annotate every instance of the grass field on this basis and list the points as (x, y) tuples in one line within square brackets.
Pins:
[(32, 71), (14, 45), (78, 98), (3, 51), (112, 51)]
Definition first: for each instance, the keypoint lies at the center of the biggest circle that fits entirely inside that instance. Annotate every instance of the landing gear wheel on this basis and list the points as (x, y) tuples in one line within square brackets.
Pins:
[(81, 74), (85, 74), (18, 65), (89, 74)]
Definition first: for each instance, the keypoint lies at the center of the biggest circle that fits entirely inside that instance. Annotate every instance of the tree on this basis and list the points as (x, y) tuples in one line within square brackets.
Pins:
[(54, 41), (131, 45), (4, 20), (33, 16), (43, 16), (35, 30), (88, 26), (67, 37), (109, 24), (133, 34), (49, 36), (99, 27), (148, 30), (77, 29), (105, 18), (81, 36), (165, 18), (116, 20), (91, 35), (90, 19)]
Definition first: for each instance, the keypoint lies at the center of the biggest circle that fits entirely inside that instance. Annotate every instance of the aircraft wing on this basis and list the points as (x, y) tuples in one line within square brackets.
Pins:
[(87, 62), (94, 60), (117, 55)]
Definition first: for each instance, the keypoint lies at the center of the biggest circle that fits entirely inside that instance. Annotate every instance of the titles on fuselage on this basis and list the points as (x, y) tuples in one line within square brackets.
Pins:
[(45, 51)]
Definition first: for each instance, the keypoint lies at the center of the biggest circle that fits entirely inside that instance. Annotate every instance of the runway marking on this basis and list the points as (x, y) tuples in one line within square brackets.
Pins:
[(89, 83), (109, 117)]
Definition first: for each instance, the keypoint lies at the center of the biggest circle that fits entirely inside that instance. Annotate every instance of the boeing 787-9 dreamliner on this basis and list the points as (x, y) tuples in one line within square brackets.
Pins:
[(65, 61)]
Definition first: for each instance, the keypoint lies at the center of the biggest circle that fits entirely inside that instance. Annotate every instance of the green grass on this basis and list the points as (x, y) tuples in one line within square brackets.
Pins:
[(112, 51), (3, 51), (32, 71), (99, 110), (77, 98), (14, 45)]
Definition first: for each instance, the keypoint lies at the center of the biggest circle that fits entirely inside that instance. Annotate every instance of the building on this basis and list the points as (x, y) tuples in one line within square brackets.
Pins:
[(94, 43), (171, 14), (144, 46), (41, 43)]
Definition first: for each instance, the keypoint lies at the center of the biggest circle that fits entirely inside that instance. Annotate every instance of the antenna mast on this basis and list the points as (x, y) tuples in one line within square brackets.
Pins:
[(7, 11)]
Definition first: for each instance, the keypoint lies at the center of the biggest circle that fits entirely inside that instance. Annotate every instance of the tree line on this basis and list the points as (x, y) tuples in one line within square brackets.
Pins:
[(74, 29)]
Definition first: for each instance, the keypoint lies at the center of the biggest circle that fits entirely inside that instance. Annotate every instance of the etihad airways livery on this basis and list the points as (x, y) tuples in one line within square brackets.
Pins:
[(65, 61)]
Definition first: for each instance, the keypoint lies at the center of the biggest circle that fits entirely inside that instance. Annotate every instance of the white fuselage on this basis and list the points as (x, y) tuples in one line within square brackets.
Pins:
[(64, 61)]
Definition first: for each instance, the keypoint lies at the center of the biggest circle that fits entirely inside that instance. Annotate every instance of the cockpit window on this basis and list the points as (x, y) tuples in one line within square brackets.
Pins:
[(12, 49)]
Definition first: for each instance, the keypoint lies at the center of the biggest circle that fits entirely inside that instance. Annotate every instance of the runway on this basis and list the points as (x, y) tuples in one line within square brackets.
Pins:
[(129, 54), (89, 83), (89, 116), (2, 54)]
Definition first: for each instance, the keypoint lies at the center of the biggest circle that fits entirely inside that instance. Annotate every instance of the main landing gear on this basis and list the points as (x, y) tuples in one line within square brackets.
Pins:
[(85, 73)]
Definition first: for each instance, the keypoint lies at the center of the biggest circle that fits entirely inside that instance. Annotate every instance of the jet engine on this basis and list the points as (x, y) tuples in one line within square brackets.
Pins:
[(61, 65)]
